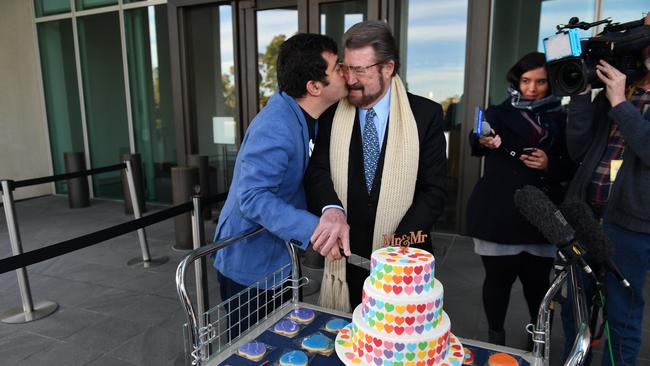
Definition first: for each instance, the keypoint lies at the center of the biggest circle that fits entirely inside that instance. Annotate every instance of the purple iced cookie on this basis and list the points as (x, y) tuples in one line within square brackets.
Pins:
[(253, 350), (303, 316), (286, 327)]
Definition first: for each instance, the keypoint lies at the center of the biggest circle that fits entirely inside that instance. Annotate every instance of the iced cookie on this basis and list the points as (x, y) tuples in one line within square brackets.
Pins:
[(468, 359), (286, 327), (502, 359), (253, 350), (302, 316), (318, 343), (293, 358), (334, 325)]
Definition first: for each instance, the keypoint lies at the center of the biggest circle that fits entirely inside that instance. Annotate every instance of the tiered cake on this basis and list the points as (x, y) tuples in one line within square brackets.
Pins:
[(400, 320)]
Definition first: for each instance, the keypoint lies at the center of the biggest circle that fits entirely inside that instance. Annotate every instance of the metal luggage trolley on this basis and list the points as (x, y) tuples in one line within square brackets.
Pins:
[(209, 338)]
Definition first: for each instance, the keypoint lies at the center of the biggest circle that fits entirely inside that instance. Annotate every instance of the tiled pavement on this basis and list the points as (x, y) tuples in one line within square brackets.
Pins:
[(113, 314)]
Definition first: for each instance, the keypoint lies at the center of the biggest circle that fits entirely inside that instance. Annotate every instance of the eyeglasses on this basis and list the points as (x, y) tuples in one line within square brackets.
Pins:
[(356, 70)]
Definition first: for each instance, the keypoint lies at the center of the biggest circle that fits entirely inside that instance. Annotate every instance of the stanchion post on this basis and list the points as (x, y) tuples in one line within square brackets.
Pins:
[(29, 311), (142, 236), (136, 174), (200, 274)]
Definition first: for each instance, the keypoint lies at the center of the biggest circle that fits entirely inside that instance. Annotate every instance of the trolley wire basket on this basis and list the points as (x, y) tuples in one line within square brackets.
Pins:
[(209, 333)]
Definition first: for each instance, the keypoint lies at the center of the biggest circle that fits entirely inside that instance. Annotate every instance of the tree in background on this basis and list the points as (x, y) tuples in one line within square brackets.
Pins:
[(267, 76)]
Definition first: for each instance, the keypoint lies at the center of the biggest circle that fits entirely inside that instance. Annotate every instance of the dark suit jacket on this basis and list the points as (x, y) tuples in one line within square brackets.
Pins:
[(430, 190)]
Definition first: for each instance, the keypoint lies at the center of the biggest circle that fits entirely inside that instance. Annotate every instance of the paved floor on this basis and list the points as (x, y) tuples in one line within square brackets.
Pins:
[(113, 314)]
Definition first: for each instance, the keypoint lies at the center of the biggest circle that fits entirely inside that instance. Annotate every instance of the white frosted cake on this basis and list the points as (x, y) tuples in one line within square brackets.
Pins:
[(400, 320)]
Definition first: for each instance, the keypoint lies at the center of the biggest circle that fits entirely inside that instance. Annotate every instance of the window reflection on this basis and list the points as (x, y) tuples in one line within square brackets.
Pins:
[(100, 52), (147, 45), (209, 32), (556, 12), (433, 61), (336, 18), (274, 26)]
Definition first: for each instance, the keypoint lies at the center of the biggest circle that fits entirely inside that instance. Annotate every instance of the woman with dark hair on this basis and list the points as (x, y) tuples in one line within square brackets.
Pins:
[(526, 146)]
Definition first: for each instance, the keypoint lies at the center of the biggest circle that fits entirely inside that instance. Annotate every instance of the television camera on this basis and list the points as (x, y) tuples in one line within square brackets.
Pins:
[(571, 61)]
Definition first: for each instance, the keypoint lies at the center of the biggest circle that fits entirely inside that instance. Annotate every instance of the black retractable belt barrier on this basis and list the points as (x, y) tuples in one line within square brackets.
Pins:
[(55, 250), (214, 199), (58, 177)]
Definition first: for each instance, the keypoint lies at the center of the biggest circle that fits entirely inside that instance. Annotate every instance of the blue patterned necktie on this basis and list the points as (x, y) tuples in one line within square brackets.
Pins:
[(370, 140)]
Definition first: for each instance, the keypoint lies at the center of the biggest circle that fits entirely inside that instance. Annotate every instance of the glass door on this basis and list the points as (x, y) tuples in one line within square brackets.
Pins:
[(211, 82)]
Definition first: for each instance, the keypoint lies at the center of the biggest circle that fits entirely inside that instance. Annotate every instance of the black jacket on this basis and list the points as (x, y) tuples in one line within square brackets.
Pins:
[(587, 134), (491, 212), (430, 190)]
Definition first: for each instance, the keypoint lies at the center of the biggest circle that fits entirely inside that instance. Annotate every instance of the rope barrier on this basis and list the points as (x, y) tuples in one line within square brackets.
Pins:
[(71, 245)]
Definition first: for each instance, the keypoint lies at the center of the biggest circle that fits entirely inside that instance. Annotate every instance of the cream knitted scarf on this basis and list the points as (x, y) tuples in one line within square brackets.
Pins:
[(398, 179)]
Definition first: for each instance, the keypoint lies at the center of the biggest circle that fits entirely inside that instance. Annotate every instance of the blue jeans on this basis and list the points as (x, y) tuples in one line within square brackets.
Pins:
[(624, 307)]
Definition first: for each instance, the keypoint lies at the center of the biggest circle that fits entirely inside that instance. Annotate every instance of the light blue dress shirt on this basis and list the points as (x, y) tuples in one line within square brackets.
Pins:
[(382, 110)]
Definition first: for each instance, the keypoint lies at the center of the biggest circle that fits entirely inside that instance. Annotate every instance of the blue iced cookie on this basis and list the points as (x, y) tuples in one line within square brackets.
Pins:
[(335, 325), (318, 343), (253, 350), (286, 327), (303, 316), (293, 358)]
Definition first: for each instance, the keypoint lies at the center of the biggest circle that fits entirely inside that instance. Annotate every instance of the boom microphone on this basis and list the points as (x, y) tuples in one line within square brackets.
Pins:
[(538, 209), (590, 233)]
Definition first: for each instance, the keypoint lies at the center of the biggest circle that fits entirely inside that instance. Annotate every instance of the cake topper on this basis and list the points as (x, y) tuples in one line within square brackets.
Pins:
[(405, 240)]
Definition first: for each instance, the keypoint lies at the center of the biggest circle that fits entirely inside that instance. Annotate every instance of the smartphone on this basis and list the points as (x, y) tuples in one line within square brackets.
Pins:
[(527, 150)]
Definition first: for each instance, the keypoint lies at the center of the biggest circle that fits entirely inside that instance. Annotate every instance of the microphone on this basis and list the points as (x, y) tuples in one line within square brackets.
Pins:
[(481, 127), (590, 233), (538, 209), (486, 130)]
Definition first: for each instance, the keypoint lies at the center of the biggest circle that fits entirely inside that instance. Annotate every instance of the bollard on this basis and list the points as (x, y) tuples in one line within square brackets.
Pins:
[(78, 195), (136, 166), (200, 274), (201, 162), (184, 179)]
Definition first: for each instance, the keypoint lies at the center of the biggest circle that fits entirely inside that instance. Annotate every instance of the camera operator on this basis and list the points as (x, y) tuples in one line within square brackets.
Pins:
[(610, 137)]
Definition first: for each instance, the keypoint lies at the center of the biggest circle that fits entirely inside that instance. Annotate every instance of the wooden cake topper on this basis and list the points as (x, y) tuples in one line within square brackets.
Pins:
[(405, 240)]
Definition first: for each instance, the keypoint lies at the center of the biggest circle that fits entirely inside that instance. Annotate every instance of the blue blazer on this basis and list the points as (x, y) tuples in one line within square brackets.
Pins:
[(267, 190)]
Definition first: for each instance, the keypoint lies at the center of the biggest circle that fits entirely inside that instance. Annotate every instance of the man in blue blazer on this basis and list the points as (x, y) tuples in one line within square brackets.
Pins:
[(267, 186)]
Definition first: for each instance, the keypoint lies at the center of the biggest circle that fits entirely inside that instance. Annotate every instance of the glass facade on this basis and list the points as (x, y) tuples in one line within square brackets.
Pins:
[(91, 4), (59, 72), (430, 28), (100, 53), (431, 35), (50, 7), (147, 44)]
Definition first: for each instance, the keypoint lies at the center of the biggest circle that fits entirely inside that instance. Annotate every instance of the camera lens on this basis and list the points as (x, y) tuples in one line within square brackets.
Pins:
[(571, 77)]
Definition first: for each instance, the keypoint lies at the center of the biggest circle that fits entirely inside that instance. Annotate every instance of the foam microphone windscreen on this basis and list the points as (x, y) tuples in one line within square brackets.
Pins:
[(587, 229), (538, 209), (486, 129)]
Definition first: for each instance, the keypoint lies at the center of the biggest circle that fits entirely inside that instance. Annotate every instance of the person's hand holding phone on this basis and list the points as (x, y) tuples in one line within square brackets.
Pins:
[(534, 158), (490, 142)]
